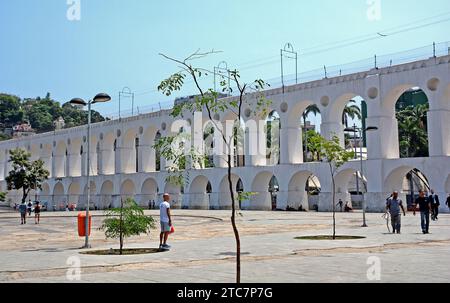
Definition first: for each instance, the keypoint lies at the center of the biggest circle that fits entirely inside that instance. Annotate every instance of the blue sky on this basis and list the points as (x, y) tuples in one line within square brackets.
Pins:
[(116, 42)]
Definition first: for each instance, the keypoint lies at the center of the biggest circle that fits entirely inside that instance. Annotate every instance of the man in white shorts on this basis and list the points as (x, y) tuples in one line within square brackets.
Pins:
[(166, 222)]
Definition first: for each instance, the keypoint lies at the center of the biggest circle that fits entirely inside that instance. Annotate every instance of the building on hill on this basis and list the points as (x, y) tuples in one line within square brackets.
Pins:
[(23, 130), (59, 123)]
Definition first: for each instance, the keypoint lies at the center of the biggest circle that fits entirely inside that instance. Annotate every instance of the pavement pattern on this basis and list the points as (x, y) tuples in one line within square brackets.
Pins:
[(203, 250)]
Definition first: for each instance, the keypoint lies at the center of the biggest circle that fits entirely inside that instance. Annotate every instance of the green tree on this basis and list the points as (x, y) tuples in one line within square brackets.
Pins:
[(314, 144), (41, 113), (311, 109), (40, 117), (11, 111), (413, 131), (336, 156), (126, 221), (351, 111), (208, 100), (25, 174)]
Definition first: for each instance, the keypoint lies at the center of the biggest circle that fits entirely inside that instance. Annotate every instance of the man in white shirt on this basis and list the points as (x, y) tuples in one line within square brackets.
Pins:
[(166, 222)]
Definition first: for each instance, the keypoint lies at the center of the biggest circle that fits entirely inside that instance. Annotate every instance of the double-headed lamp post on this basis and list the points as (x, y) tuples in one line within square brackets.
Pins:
[(99, 98), (355, 130)]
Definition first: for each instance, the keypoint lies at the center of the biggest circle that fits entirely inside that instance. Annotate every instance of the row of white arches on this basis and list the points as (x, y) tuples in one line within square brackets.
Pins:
[(113, 152), (205, 192)]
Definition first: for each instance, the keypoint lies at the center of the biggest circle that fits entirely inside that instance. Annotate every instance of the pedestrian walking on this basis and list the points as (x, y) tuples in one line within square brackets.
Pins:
[(341, 204), (434, 201), (393, 206), (37, 213), (23, 213), (425, 209), (166, 222)]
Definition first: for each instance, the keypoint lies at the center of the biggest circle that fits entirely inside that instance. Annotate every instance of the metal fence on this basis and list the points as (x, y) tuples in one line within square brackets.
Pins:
[(377, 61)]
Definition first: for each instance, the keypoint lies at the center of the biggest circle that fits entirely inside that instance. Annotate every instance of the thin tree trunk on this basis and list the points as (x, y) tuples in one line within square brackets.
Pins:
[(121, 227), (334, 202), (24, 197), (233, 223)]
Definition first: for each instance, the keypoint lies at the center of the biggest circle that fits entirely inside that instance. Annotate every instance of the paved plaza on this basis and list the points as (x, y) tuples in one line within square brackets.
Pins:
[(203, 250)]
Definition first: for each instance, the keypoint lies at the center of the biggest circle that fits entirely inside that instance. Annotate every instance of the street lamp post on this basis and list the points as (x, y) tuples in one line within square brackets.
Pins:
[(355, 129), (99, 98)]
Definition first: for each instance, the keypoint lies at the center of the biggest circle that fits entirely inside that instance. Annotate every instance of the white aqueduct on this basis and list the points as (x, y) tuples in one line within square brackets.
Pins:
[(124, 162)]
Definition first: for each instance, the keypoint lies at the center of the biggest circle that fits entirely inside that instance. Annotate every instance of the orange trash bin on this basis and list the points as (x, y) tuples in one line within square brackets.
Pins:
[(82, 224)]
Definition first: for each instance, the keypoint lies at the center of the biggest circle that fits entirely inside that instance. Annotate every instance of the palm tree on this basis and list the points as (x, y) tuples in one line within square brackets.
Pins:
[(312, 109), (413, 138), (351, 111)]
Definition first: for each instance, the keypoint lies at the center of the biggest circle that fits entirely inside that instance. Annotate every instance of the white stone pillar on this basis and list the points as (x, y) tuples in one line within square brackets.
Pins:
[(383, 143), (221, 152), (198, 200), (291, 145), (254, 156), (93, 163), (47, 164), (298, 197), (438, 132), (261, 201), (74, 164), (282, 199), (8, 166), (108, 162), (331, 129), (2, 170), (147, 158), (59, 166), (127, 160)]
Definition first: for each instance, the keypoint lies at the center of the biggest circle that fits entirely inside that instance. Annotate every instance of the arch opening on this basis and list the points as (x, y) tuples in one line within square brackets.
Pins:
[(106, 195), (265, 188), (59, 197), (149, 193), (412, 118), (311, 119), (225, 201), (304, 189), (351, 185), (200, 193), (407, 181), (127, 190)]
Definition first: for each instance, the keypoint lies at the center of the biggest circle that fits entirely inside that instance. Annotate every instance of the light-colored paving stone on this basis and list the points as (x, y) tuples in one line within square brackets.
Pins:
[(203, 250)]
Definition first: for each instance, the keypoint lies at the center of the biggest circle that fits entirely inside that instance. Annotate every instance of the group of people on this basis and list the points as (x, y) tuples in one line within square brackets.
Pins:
[(428, 206), (151, 204), (25, 209)]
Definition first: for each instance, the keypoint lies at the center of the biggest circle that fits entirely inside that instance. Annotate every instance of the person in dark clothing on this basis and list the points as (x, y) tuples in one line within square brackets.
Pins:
[(434, 201), (425, 208), (23, 213), (37, 213), (393, 206), (340, 204)]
